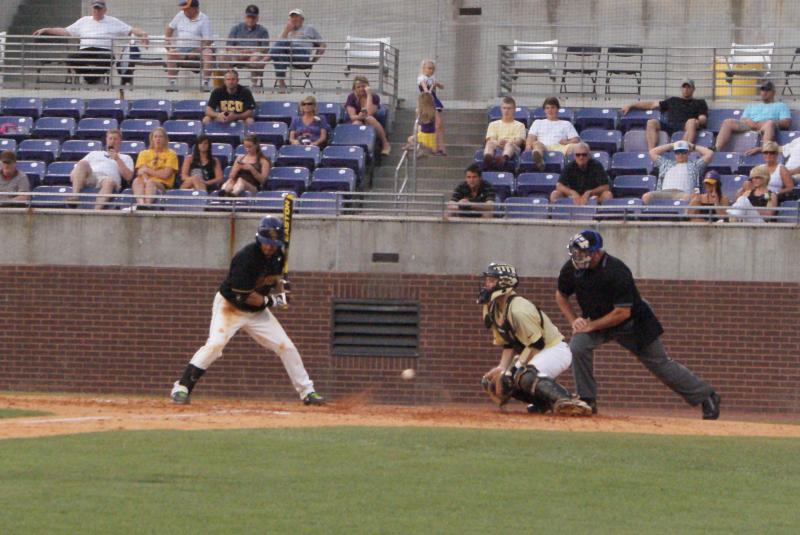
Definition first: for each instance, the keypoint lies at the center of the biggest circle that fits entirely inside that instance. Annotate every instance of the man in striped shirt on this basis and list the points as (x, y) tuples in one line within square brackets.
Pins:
[(678, 178)]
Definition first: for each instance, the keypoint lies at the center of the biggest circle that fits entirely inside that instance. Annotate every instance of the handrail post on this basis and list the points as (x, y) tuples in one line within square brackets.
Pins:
[(381, 65)]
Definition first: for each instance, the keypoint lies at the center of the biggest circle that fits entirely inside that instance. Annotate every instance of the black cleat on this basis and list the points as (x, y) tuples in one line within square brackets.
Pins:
[(711, 407)]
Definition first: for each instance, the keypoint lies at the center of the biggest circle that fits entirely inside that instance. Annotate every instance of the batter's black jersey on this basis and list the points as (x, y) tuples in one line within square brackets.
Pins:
[(251, 271)]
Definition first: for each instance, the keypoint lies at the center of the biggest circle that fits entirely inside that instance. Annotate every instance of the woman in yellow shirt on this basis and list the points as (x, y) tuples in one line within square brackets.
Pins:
[(156, 167)]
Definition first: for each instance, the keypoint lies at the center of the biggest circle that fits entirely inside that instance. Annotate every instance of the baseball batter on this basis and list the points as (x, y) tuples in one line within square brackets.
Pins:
[(534, 352), (243, 302)]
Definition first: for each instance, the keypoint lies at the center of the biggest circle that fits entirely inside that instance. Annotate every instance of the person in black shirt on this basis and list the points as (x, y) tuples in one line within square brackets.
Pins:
[(677, 113), (611, 308), (474, 197), (242, 302), (582, 179), (231, 102)]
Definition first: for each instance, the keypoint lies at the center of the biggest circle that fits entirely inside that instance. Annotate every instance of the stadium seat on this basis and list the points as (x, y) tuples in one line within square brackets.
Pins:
[(275, 133), (529, 184), (553, 162), (510, 165), (131, 148), (526, 207), (623, 208), (63, 107), (307, 156), (184, 200), (333, 179), (748, 162), (191, 110), (94, 128), (16, 128), (563, 208), (787, 136), (600, 156), (281, 111), (138, 129), (521, 114), (631, 163), (740, 142), (565, 114), (58, 174), (75, 149), (215, 203), (359, 135), (268, 201), (46, 150), (288, 178), (637, 119), (160, 110), (583, 60), (636, 140), (350, 157), (107, 108), (267, 150), (50, 196), (624, 60), (318, 203), (223, 151), (331, 111), (8, 144), (606, 118), (183, 130), (88, 198), (666, 209), (181, 149), (795, 124), (725, 163), (231, 133), (609, 141), (730, 184), (704, 138), (34, 169), (788, 212), (633, 185), (716, 117), (61, 128), (23, 107), (502, 183)]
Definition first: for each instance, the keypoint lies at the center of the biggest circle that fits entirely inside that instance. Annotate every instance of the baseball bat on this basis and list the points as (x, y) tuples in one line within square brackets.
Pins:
[(288, 212)]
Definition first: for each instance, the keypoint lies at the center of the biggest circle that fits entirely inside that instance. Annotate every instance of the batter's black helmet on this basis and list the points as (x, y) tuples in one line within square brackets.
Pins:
[(270, 232)]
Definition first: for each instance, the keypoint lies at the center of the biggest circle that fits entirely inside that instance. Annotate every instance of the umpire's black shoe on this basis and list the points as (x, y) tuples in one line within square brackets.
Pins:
[(711, 407), (592, 403)]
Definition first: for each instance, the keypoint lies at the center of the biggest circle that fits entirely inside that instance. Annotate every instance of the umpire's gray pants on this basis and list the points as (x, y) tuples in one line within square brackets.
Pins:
[(672, 373)]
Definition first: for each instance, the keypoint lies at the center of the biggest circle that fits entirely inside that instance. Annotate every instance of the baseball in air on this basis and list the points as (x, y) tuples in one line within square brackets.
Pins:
[(408, 374)]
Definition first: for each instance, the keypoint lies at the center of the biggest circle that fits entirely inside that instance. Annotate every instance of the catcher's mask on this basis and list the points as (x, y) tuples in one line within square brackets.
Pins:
[(507, 280), (582, 246)]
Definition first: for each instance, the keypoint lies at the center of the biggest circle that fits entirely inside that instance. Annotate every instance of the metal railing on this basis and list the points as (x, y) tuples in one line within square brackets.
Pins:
[(408, 164), (544, 69), (54, 62)]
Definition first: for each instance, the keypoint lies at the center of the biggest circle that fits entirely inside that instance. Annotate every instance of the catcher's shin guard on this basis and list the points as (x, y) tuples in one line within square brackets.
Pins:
[(545, 392)]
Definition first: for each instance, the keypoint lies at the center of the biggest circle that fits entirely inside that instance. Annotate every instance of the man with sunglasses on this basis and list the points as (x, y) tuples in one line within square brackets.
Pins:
[(766, 117), (582, 179), (678, 178)]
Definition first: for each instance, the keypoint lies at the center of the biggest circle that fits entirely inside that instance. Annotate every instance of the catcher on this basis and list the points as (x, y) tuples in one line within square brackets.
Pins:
[(534, 352)]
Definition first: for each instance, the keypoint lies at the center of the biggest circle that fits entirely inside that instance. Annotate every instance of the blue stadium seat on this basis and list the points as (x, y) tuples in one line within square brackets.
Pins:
[(307, 156), (748, 162), (704, 138), (268, 201), (181, 149), (113, 108), (382, 115), (274, 133), (609, 141), (46, 150), (51, 196), (351, 157), (633, 185), (231, 133), (88, 198), (668, 209), (75, 149), (563, 208), (331, 111), (138, 129), (192, 110), (631, 163), (730, 184), (502, 183), (183, 130), (282, 111), (536, 184), (636, 140), (623, 208), (637, 119), (600, 156), (223, 151), (94, 128), (716, 117), (34, 169), (131, 148), (553, 162), (15, 127), (359, 135), (63, 107), (151, 108), (795, 124), (740, 142), (61, 128), (333, 179), (606, 118), (318, 203), (526, 208), (725, 163), (288, 178), (267, 149), (58, 174), (788, 212), (521, 114), (510, 165), (23, 107), (184, 200), (565, 114), (8, 144), (215, 203), (787, 136)]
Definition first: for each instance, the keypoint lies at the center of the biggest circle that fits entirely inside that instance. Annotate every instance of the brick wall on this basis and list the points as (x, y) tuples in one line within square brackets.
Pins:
[(132, 330)]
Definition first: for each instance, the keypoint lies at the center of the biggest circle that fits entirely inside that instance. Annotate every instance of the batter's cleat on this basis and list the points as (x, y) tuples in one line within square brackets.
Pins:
[(711, 407), (180, 394), (313, 399), (572, 407)]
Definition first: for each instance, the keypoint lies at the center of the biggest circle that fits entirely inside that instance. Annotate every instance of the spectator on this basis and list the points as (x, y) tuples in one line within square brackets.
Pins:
[(765, 117), (582, 179), (791, 154), (103, 169), (249, 171), (12, 181), (293, 47), (96, 49), (248, 44), (755, 203), (308, 128), (156, 168), (780, 179), (712, 196), (426, 82), (362, 105), (231, 102), (425, 138), (474, 198), (550, 133), (189, 41), (678, 178), (678, 113), (200, 169), (506, 134)]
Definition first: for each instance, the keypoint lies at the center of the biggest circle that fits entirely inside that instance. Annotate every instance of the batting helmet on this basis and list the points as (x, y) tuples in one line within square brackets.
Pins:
[(507, 280), (581, 247), (270, 232)]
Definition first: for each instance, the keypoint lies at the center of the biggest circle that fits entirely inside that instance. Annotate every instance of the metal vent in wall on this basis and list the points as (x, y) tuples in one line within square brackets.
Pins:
[(375, 327)]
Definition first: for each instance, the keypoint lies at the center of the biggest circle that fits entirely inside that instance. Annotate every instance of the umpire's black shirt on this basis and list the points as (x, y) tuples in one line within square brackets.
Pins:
[(606, 286), (248, 268)]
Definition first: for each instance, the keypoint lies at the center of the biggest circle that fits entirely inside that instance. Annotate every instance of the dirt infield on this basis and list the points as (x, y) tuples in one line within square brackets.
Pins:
[(85, 414)]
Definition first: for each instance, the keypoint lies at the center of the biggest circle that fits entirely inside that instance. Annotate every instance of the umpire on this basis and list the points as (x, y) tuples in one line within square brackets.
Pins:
[(612, 308)]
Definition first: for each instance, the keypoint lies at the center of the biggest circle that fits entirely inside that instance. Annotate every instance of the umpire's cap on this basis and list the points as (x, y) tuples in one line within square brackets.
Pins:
[(270, 232)]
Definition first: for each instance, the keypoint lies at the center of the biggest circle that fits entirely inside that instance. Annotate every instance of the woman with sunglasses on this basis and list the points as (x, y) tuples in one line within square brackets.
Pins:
[(308, 128), (780, 181), (755, 202)]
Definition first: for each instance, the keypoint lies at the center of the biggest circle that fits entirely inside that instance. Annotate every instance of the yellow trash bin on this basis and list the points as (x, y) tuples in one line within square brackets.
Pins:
[(737, 80)]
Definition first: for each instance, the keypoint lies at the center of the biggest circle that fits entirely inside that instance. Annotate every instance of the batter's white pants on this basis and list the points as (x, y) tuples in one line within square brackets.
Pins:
[(264, 328), (553, 361)]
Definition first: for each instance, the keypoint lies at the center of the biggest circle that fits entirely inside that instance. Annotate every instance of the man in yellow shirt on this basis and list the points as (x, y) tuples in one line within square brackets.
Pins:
[(506, 134)]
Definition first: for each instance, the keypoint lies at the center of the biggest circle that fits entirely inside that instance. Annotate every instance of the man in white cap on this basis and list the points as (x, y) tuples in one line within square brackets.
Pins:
[(678, 178), (189, 41), (295, 46)]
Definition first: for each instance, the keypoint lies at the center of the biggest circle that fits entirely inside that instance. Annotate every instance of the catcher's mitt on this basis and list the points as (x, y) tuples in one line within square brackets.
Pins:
[(498, 386)]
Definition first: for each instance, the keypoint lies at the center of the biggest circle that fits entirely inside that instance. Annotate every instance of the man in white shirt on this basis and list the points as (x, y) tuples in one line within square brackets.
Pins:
[(96, 33), (678, 178), (103, 169), (550, 133), (189, 41)]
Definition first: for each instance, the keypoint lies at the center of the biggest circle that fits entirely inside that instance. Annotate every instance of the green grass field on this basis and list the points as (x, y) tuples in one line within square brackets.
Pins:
[(20, 413), (397, 481)]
